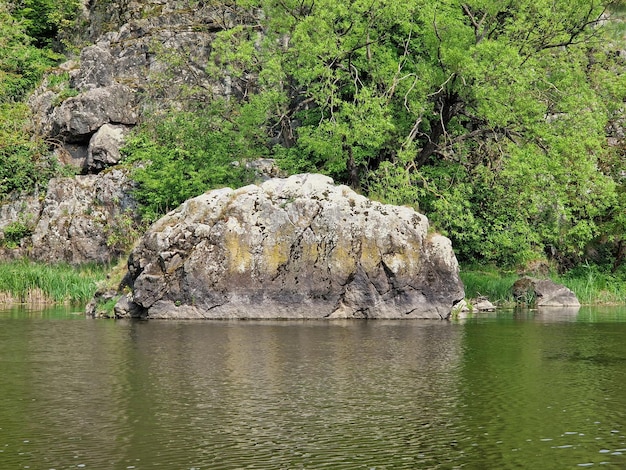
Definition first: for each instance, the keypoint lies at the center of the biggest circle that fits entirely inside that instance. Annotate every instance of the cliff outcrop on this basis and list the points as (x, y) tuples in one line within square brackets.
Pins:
[(79, 220), (141, 55), (300, 247), (145, 55)]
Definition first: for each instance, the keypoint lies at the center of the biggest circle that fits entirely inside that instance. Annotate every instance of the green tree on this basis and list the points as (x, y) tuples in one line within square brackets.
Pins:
[(488, 110), (490, 115), (183, 154), (24, 165), (21, 63), (44, 20)]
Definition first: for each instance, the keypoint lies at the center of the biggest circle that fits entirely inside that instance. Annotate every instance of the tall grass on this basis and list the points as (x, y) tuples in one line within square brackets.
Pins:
[(592, 285), (489, 282), (23, 281)]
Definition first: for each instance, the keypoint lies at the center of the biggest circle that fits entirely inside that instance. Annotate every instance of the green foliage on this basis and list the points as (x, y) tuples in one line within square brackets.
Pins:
[(490, 116), (24, 164), (14, 233), (489, 282), (593, 285), (59, 83), (43, 20), (122, 232), (183, 154), (21, 63)]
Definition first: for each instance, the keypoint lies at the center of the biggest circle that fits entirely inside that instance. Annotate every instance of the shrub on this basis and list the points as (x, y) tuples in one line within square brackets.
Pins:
[(183, 154), (15, 232)]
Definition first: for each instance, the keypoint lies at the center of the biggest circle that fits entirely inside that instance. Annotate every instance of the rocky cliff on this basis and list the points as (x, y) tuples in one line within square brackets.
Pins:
[(299, 247), (86, 108), (80, 219), (144, 55)]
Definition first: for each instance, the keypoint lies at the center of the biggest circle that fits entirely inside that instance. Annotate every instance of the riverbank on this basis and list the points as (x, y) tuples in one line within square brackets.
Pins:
[(29, 282), (24, 281), (590, 284)]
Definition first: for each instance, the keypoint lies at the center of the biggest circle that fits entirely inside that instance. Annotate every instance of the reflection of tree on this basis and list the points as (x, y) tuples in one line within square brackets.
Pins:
[(529, 386)]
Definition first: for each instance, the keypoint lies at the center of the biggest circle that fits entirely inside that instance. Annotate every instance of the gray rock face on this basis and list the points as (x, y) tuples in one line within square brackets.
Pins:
[(543, 293), (90, 218), (77, 119), (146, 55), (81, 219), (21, 209), (97, 68), (299, 247)]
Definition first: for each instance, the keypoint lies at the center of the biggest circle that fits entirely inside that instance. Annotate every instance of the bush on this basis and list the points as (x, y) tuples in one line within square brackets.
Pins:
[(24, 161), (15, 232), (181, 155)]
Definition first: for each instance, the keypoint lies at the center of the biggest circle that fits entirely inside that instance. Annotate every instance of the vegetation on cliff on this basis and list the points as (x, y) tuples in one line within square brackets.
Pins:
[(503, 121), (28, 29)]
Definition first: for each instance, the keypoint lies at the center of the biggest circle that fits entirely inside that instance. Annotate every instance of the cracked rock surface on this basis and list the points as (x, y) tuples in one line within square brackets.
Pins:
[(300, 247)]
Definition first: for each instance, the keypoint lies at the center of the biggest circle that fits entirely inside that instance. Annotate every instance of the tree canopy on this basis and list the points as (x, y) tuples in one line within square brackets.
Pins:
[(490, 116)]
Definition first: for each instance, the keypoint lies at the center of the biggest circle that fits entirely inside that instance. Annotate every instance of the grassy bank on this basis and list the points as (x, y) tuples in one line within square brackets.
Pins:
[(590, 284), (27, 282)]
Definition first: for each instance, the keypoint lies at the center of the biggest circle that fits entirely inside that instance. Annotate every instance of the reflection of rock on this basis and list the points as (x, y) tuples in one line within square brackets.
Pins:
[(550, 314), (293, 248), (543, 293)]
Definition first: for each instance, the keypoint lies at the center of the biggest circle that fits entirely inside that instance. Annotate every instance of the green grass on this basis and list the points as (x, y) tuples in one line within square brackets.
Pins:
[(592, 285), (489, 282), (60, 283)]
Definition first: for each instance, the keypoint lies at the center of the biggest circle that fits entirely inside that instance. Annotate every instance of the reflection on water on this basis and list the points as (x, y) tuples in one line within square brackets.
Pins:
[(509, 390)]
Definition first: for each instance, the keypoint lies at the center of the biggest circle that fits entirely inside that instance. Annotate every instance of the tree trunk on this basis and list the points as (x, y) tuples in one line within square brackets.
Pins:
[(448, 108)]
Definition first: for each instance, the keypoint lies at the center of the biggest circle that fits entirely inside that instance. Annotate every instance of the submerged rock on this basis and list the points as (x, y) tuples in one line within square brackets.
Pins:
[(468, 306), (299, 247)]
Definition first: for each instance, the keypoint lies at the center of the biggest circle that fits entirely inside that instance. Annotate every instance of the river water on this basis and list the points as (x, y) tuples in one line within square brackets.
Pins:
[(535, 390)]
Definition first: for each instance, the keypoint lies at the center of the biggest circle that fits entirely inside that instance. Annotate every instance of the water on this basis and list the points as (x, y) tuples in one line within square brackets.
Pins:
[(507, 391)]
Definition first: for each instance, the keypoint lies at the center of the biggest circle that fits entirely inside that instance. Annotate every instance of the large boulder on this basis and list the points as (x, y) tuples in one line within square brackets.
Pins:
[(299, 247), (104, 147), (78, 118)]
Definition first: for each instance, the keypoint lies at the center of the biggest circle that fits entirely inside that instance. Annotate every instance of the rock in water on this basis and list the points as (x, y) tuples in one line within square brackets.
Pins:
[(543, 293), (299, 247)]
